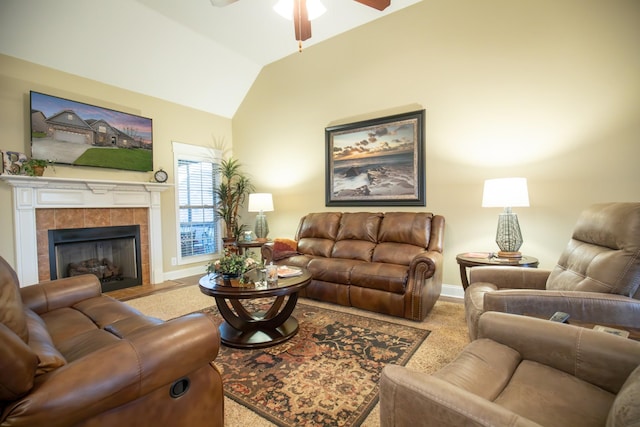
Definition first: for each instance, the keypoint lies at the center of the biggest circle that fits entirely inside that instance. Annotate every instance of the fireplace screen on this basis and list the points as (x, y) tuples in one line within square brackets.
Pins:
[(112, 254)]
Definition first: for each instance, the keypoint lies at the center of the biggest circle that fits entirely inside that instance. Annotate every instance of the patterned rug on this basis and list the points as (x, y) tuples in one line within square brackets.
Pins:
[(326, 375)]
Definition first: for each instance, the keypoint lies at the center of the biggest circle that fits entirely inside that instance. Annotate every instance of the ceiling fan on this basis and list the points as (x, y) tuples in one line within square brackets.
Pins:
[(301, 22)]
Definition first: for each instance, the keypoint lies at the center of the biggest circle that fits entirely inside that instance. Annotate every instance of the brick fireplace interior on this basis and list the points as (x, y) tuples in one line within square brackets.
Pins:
[(63, 218)]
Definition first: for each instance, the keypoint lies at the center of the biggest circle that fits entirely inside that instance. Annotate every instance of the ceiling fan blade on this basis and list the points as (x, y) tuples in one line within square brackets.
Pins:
[(376, 4), (301, 21), (222, 3)]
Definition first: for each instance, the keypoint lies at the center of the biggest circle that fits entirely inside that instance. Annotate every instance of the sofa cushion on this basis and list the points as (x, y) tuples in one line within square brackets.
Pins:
[(333, 270), (359, 226), (127, 326), (395, 253), (17, 365), (322, 225), (381, 276), (413, 228), (353, 249), (625, 411), (11, 307), (49, 358), (315, 247)]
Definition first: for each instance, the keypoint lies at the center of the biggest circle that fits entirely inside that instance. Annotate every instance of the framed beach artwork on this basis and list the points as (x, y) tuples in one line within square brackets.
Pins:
[(378, 162)]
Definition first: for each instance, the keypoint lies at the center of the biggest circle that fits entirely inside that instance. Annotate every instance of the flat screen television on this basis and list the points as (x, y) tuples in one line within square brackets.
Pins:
[(70, 132)]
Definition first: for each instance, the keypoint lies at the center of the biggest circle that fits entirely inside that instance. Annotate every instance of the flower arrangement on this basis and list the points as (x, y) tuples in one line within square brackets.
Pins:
[(232, 264)]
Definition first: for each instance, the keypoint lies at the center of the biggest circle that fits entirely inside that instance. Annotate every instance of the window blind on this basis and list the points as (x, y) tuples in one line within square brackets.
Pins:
[(196, 198)]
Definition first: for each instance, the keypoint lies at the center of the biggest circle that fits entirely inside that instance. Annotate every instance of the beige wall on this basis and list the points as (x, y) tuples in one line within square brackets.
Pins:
[(548, 90), (171, 122)]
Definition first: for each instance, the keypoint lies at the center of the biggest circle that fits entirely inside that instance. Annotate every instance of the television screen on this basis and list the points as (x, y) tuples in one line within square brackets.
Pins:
[(74, 133)]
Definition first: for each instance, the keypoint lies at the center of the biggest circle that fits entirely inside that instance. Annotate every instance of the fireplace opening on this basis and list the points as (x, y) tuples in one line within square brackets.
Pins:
[(112, 254)]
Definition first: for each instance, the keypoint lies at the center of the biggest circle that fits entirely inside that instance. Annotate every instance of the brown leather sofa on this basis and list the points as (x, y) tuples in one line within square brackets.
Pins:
[(389, 263), (596, 280), (70, 356), (521, 371)]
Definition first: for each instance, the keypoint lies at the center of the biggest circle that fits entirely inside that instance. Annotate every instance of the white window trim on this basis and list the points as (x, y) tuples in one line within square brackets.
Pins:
[(196, 153)]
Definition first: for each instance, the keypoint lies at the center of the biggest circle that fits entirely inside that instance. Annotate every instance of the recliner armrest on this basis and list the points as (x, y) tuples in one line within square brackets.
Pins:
[(147, 360), (591, 307), (510, 277), (596, 357), (47, 296), (409, 398)]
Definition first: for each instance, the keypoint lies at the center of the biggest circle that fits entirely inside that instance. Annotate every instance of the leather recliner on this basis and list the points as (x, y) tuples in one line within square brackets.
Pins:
[(596, 280), (70, 356), (521, 371)]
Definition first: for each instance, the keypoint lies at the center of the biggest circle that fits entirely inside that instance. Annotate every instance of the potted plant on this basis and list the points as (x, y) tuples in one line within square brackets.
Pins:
[(232, 265), (231, 194), (34, 167)]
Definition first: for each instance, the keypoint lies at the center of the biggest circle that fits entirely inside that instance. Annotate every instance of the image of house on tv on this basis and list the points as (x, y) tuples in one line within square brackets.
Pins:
[(67, 126)]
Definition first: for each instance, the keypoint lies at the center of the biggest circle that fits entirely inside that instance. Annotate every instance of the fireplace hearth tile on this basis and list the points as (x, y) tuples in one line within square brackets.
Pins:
[(97, 217), (69, 218)]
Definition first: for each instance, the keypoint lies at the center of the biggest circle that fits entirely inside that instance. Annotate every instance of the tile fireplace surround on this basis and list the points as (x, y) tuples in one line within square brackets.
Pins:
[(46, 203)]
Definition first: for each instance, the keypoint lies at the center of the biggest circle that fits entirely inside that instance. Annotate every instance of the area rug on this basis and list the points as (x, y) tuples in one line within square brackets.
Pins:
[(326, 375), (445, 321)]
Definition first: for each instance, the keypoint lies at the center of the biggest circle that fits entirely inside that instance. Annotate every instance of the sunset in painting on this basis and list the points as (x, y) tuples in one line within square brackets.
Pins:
[(376, 162)]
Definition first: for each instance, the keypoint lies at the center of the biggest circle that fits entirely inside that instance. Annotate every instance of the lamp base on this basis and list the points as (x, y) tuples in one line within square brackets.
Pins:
[(261, 228), (509, 255)]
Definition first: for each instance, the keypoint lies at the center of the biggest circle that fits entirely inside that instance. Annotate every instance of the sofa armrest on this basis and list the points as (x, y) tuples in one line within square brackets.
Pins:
[(267, 252), (591, 307), (596, 357), (426, 264), (510, 277), (47, 296), (147, 360), (424, 284), (407, 396)]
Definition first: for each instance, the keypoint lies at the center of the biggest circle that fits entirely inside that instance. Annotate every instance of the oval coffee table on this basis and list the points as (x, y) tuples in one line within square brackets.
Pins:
[(245, 329)]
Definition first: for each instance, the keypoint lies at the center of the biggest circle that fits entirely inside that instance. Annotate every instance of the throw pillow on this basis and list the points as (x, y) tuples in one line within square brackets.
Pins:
[(284, 248)]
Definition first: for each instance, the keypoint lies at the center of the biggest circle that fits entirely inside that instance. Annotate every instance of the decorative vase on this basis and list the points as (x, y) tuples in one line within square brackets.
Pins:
[(38, 170), (231, 279), (230, 244)]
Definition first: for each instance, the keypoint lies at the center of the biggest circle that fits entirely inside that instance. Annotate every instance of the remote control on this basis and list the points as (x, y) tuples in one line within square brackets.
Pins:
[(559, 316)]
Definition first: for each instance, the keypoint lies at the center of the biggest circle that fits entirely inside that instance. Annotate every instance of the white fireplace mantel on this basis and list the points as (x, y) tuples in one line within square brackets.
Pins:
[(31, 193)]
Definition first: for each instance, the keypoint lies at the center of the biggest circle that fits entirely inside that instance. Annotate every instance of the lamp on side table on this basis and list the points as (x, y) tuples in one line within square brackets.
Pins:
[(261, 203)]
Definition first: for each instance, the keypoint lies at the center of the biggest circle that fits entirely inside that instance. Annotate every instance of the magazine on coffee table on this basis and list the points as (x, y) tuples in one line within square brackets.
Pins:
[(289, 271)]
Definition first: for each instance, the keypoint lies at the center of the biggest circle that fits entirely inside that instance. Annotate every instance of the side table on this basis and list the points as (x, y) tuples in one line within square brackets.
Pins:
[(475, 259), (243, 245)]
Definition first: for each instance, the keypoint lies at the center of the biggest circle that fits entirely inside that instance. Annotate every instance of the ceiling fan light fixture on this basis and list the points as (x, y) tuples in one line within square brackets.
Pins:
[(284, 8)]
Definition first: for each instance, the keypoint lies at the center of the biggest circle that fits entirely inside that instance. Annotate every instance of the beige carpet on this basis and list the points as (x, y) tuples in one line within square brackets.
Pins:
[(445, 321)]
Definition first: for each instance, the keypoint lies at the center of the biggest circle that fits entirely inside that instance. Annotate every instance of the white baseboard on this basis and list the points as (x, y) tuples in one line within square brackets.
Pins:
[(185, 272), (453, 291)]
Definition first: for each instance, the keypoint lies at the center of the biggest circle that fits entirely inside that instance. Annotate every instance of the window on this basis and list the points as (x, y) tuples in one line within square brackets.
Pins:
[(196, 179)]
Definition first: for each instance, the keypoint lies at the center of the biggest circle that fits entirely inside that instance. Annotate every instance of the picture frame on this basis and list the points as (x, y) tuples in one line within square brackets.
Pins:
[(376, 162), (70, 132)]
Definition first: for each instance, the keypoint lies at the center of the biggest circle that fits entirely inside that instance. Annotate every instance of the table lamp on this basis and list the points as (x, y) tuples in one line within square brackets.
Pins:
[(261, 203), (507, 193)]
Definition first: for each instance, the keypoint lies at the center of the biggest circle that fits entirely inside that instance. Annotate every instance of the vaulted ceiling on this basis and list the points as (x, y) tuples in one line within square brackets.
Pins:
[(188, 52)]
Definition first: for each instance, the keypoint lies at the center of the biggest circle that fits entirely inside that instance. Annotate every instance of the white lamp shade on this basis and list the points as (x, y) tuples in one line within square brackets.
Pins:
[(284, 8), (260, 202), (505, 192)]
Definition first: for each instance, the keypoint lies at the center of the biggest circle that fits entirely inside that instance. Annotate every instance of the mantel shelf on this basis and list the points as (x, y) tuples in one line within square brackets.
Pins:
[(95, 185)]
